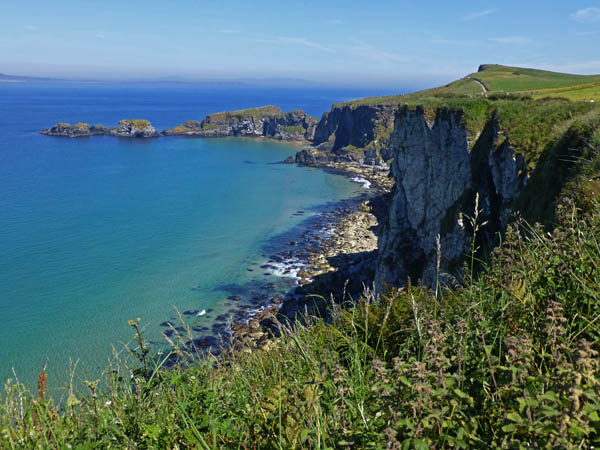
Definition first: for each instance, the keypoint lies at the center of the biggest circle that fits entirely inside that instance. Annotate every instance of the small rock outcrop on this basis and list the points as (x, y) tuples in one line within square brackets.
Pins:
[(313, 157), (133, 128), (439, 175), (267, 121), (126, 128)]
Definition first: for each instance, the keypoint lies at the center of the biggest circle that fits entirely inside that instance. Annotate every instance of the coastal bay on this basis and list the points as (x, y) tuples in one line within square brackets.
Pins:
[(103, 230)]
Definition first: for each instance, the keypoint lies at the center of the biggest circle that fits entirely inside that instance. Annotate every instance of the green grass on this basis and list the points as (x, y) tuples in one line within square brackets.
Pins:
[(511, 79), (498, 78), (294, 130), (529, 124), (528, 120), (138, 123), (574, 93), (255, 113)]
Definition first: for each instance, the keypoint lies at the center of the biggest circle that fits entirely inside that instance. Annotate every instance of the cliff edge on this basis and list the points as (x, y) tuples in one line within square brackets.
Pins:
[(440, 176)]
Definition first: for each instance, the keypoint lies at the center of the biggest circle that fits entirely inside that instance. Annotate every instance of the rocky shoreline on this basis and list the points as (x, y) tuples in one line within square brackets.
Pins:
[(350, 246), (339, 245)]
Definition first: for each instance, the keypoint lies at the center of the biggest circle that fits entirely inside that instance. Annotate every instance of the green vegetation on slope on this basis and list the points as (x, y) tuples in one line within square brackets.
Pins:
[(529, 124), (254, 113), (137, 123), (511, 79), (294, 130), (528, 120), (502, 79)]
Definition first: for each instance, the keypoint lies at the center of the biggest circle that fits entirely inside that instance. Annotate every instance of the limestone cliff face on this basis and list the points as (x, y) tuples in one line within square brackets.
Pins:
[(267, 121), (356, 133), (438, 173)]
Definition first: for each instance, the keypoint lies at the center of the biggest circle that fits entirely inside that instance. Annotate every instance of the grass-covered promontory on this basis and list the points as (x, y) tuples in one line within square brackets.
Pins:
[(528, 104), (254, 113), (497, 79), (505, 359)]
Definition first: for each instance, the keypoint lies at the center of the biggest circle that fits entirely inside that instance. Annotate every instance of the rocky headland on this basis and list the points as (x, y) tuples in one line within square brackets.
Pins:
[(437, 165)]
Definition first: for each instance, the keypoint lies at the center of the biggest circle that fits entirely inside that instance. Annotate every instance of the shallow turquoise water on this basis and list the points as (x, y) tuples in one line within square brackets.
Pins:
[(96, 231)]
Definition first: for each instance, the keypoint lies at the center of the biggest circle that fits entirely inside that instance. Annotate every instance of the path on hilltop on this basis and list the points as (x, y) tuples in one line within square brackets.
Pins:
[(485, 90)]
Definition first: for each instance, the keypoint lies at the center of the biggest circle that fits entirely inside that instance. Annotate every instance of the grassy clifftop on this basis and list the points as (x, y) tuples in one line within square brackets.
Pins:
[(530, 104), (516, 79), (255, 113), (497, 79)]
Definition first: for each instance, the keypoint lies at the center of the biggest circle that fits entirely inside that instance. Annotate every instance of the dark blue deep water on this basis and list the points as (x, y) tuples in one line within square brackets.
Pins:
[(96, 231)]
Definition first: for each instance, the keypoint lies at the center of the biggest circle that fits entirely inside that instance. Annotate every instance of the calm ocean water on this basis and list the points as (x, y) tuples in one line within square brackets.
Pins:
[(96, 231)]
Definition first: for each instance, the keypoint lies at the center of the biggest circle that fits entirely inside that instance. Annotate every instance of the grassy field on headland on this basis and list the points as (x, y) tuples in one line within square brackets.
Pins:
[(528, 104), (505, 359)]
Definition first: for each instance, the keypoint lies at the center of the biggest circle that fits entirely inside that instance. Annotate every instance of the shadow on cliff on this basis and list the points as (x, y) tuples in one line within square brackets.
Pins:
[(559, 165)]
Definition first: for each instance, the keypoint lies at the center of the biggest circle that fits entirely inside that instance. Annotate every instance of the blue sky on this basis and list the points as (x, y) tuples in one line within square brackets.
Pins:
[(377, 42)]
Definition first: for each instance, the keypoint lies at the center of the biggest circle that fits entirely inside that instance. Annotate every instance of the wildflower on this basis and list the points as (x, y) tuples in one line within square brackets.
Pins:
[(391, 443), (379, 370)]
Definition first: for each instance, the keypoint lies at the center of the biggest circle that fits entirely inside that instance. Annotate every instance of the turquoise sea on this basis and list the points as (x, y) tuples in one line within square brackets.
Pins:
[(96, 231)]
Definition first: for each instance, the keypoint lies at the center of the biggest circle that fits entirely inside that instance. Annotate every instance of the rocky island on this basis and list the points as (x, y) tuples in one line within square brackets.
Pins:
[(138, 128), (266, 121)]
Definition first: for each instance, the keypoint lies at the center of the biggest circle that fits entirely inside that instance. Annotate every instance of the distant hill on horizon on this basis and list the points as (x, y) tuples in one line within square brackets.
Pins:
[(258, 81)]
